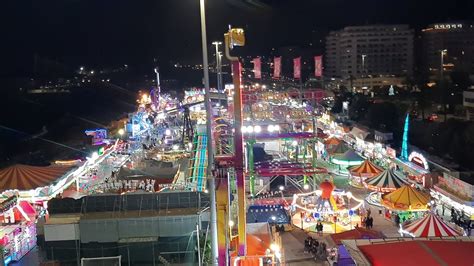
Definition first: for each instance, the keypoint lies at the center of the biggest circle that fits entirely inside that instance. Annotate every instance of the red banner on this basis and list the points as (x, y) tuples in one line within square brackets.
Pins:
[(276, 67), (318, 66), (297, 68), (257, 68)]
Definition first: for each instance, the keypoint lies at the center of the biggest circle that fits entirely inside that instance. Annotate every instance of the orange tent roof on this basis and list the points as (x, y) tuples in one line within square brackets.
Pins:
[(366, 169), (406, 198), (332, 141), (26, 177), (257, 245)]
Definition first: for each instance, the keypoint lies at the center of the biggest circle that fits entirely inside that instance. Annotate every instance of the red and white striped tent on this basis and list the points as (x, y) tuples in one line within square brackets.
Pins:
[(430, 226), (27, 177)]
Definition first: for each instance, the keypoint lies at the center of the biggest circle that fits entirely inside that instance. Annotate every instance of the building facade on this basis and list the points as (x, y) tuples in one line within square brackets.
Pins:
[(375, 50), (468, 103), (456, 39)]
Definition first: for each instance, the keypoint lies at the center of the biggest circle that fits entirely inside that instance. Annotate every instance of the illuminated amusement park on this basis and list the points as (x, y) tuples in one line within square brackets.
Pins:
[(247, 173)]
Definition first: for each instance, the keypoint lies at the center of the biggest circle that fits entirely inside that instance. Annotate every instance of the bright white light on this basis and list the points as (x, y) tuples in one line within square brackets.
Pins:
[(168, 132), (306, 186), (257, 129), (273, 218), (95, 155), (190, 145), (281, 188), (231, 223), (244, 129), (206, 191), (276, 128), (250, 129), (161, 116), (81, 68), (349, 194), (294, 143), (274, 247), (92, 72), (121, 132), (175, 147), (270, 128), (278, 255)]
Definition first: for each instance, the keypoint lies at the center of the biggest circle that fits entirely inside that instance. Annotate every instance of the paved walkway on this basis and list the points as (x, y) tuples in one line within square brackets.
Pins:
[(293, 249)]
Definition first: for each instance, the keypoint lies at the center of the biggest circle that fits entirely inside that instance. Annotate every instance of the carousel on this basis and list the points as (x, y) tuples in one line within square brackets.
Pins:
[(429, 226), (385, 182), (406, 202), (358, 174), (337, 210)]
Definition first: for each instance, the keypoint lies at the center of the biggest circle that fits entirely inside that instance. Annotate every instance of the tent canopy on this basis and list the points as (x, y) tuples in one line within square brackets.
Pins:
[(406, 198), (366, 169), (357, 233), (332, 141), (27, 177), (349, 157), (420, 253), (429, 226), (338, 149), (386, 181)]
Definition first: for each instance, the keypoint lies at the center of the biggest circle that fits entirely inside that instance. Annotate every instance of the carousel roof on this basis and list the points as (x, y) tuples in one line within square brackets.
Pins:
[(388, 179), (26, 177), (366, 168), (406, 198), (332, 141), (349, 156), (338, 149), (429, 226)]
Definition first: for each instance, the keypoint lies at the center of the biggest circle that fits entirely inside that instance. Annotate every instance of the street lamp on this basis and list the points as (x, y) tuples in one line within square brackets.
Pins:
[(363, 62), (441, 67), (218, 66)]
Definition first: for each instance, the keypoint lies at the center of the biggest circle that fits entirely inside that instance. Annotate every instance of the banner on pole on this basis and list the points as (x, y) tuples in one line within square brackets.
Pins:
[(257, 68), (297, 68), (276, 67), (318, 66)]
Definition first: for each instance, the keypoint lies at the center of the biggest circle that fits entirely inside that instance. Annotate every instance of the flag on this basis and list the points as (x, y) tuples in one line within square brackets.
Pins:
[(318, 66), (276, 67), (297, 68), (257, 68)]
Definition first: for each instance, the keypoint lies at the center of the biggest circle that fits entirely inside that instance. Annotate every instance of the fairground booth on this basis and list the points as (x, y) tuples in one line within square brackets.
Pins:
[(406, 202), (430, 225), (359, 173), (18, 228)]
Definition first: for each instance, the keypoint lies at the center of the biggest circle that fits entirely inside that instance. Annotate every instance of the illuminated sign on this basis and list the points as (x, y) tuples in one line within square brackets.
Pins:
[(447, 26), (419, 159), (98, 135)]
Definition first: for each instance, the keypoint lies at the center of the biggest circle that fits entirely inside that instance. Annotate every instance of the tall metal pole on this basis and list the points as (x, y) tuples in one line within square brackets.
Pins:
[(210, 158), (218, 66)]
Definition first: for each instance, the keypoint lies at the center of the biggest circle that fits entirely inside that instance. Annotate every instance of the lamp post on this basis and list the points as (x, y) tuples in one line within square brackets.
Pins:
[(363, 63), (441, 77), (218, 66), (210, 159), (441, 66)]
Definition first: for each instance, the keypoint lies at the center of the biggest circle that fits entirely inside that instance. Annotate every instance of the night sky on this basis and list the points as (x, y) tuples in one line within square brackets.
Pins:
[(111, 32)]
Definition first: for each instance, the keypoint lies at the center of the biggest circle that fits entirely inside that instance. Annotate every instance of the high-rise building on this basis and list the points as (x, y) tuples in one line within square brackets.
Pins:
[(375, 50), (457, 42)]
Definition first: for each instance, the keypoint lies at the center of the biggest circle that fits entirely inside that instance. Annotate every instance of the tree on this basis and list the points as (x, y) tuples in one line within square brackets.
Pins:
[(383, 115)]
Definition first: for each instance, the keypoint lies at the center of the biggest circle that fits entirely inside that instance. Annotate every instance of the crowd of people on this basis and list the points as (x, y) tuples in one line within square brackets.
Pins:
[(315, 248)]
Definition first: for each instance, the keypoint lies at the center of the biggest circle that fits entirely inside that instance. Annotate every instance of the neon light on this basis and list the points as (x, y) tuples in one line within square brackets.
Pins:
[(419, 159), (7, 260), (405, 139)]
